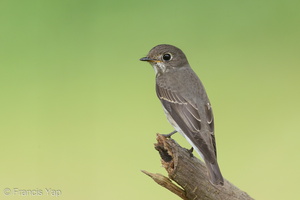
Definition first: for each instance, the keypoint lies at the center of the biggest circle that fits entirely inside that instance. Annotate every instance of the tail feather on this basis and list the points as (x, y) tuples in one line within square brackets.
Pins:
[(215, 176)]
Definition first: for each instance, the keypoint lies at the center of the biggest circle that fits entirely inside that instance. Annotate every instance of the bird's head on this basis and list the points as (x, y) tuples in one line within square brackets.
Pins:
[(165, 57)]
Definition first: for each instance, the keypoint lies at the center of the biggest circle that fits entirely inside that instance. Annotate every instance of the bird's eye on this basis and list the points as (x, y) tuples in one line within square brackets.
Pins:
[(167, 57)]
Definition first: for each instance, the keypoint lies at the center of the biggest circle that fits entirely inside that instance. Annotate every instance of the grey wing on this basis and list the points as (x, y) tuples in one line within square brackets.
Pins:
[(186, 116), (210, 122)]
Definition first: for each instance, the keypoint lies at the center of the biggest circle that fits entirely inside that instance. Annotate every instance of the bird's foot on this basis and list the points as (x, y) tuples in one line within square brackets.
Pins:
[(191, 151), (169, 135)]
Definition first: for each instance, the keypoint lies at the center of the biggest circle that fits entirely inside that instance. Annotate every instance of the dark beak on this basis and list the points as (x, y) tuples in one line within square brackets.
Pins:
[(146, 59)]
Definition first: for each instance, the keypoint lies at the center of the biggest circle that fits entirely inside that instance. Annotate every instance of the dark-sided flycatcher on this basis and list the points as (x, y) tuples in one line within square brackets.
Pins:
[(185, 103)]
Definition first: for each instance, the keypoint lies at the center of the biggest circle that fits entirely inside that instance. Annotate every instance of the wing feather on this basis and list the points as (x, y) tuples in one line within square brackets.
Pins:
[(186, 116)]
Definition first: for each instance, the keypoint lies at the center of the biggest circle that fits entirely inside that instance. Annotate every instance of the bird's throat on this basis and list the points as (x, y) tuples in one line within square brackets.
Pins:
[(159, 67)]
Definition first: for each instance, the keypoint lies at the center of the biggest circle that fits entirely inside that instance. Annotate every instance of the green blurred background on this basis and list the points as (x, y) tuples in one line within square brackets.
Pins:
[(79, 113)]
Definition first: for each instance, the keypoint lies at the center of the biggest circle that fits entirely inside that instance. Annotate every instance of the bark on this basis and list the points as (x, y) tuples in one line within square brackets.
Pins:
[(190, 174)]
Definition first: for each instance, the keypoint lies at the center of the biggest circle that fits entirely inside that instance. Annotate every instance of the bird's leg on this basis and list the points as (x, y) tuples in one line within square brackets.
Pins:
[(170, 134), (191, 151)]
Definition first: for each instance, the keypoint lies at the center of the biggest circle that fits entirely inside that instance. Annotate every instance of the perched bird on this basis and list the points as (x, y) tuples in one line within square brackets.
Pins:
[(186, 104)]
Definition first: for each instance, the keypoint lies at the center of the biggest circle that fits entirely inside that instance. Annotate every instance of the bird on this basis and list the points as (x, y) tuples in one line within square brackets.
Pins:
[(186, 104)]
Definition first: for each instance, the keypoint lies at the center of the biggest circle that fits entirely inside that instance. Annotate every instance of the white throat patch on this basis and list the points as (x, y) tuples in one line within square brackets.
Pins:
[(159, 66)]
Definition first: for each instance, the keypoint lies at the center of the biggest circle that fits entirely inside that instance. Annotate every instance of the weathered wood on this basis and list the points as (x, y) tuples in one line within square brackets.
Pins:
[(191, 174)]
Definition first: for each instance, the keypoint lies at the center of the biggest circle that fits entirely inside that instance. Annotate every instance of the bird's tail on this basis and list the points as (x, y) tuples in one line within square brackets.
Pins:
[(215, 176)]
